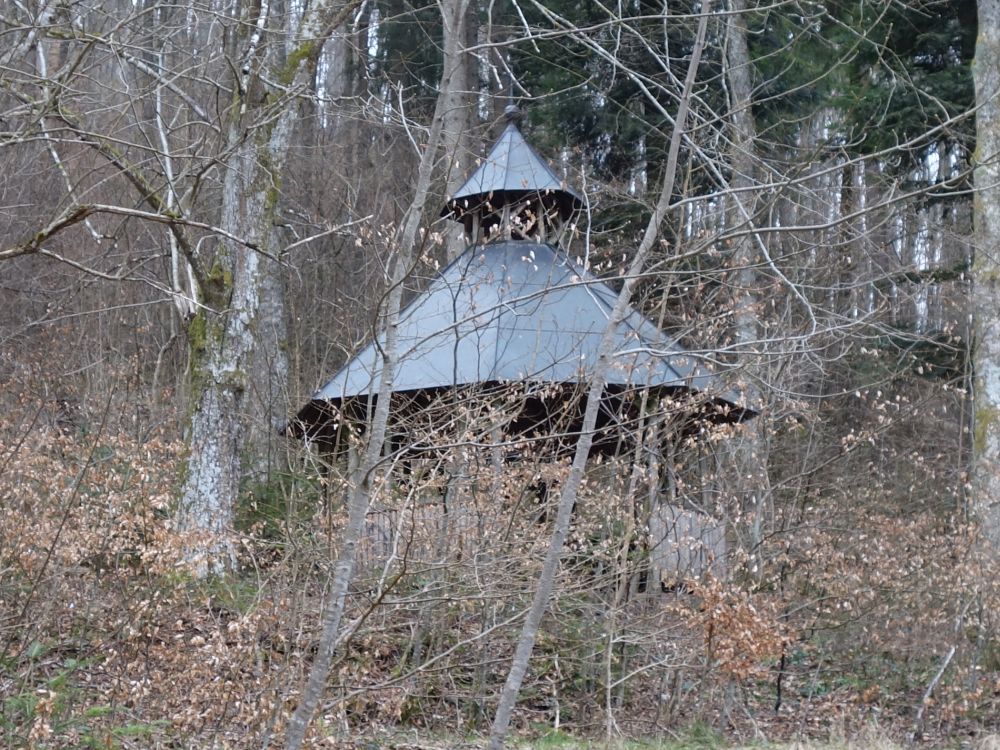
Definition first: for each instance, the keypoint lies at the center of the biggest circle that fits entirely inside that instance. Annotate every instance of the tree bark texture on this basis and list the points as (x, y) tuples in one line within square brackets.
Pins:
[(986, 276), (221, 346), (222, 339), (459, 109), (268, 403), (751, 454)]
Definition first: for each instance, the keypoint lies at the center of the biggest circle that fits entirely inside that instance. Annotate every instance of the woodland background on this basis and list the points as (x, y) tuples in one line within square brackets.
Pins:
[(207, 205)]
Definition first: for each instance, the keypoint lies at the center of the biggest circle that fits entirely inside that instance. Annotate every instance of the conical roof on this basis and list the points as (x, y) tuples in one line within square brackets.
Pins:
[(511, 171), (519, 311)]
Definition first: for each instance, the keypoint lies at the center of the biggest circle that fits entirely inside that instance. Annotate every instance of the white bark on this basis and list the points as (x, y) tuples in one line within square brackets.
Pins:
[(214, 467), (19, 50), (181, 274), (50, 142)]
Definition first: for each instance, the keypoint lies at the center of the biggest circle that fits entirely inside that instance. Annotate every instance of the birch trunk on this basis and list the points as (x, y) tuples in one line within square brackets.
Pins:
[(986, 276), (567, 498)]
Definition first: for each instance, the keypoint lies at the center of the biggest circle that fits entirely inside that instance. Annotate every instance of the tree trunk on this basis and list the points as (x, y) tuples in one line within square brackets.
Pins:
[(751, 455), (567, 498), (986, 276), (459, 111), (360, 493), (221, 344), (268, 401), (223, 338)]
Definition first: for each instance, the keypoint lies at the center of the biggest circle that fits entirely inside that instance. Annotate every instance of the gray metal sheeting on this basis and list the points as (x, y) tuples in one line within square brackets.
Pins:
[(512, 166), (516, 311)]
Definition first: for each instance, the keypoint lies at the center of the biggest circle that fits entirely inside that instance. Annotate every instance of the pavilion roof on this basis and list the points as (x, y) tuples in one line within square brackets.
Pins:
[(520, 311)]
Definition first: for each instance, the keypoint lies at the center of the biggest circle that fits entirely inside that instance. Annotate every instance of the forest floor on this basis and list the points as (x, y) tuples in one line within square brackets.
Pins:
[(697, 738)]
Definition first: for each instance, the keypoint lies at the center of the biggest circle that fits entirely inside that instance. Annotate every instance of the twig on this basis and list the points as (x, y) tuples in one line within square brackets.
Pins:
[(918, 725)]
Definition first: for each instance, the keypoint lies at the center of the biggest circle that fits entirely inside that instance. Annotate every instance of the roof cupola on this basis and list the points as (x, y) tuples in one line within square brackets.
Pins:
[(514, 194)]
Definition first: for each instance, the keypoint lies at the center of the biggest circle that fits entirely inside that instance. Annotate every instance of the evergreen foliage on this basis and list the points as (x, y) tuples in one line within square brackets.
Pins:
[(889, 73)]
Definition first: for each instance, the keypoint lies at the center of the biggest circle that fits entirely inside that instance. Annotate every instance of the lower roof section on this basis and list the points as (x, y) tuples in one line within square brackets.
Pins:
[(516, 310)]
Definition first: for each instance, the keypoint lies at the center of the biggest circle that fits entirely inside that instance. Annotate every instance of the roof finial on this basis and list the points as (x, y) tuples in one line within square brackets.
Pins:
[(512, 114)]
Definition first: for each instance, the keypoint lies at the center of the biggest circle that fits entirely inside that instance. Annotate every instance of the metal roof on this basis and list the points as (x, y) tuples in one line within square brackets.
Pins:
[(511, 170), (519, 311)]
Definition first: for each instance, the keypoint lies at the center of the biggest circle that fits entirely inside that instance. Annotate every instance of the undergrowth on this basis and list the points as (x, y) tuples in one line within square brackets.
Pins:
[(108, 641)]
